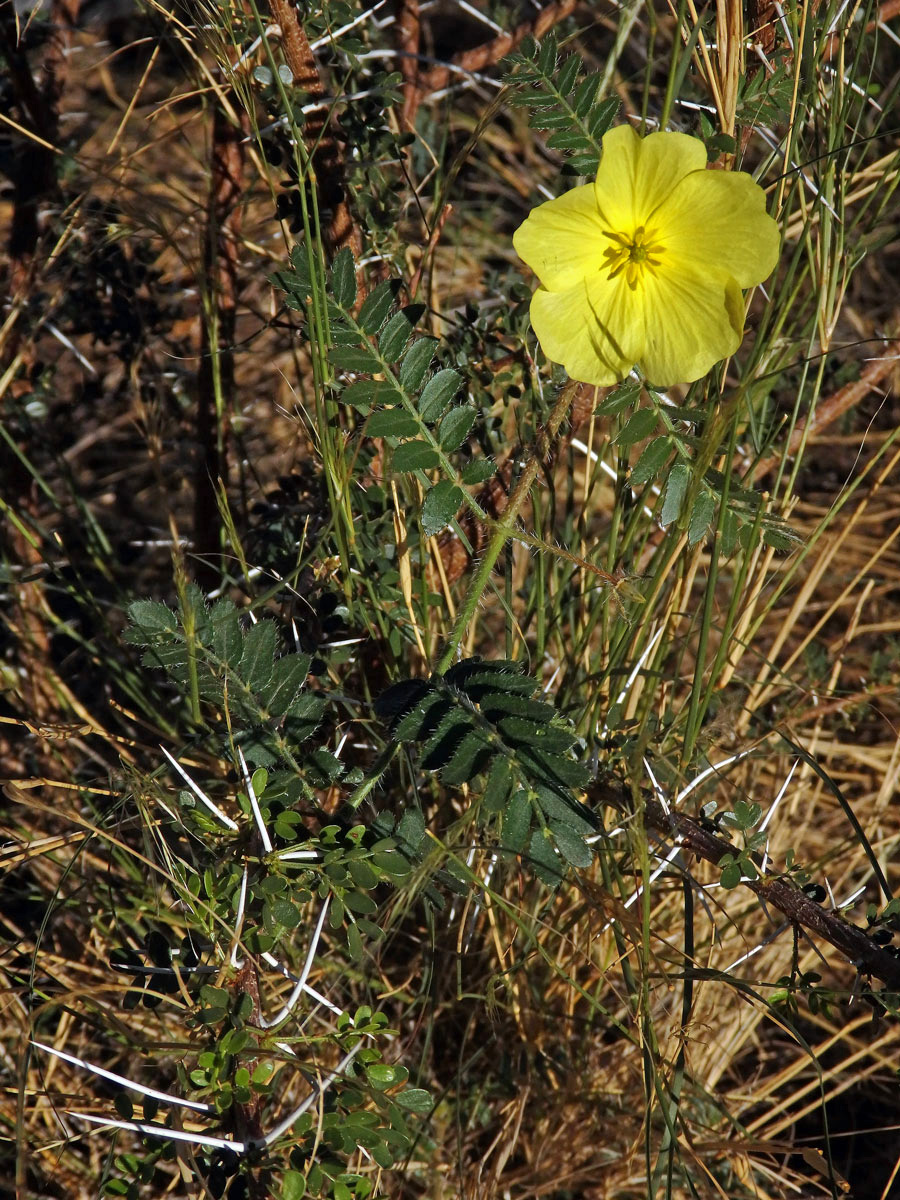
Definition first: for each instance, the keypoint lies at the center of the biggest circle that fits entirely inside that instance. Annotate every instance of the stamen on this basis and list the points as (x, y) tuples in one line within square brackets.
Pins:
[(632, 254)]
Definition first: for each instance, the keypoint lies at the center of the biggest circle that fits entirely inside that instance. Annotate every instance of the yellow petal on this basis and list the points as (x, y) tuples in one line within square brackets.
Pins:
[(595, 328), (562, 240), (720, 217), (694, 318), (637, 174)]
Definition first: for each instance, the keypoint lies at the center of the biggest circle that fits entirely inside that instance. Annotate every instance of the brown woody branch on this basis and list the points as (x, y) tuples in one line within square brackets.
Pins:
[(828, 410), (327, 156), (854, 943), (491, 52)]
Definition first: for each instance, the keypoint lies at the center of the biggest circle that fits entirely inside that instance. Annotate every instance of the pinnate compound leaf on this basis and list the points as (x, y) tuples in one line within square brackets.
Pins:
[(440, 507)]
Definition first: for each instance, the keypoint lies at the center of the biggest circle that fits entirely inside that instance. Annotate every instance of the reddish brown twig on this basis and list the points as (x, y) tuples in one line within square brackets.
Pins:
[(408, 41), (493, 496), (491, 52), (327, 157), (885, 13), (215, 379), (828, 410), (854, 943)]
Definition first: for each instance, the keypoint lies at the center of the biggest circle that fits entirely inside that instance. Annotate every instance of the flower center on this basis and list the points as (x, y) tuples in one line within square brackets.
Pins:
[(632, 254)]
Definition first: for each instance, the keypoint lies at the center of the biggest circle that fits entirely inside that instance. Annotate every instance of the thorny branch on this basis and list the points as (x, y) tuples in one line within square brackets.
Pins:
[(854, 943)]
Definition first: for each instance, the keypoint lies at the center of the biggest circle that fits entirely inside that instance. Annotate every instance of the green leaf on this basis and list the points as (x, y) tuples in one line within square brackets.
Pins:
[(441, 506), (153, 616), (468, 759), (499, 782), (354, 358), (566, 139), (638, 426), (385, 1075), (586, 94), (415, 456), (626, 395), (552, 738), (454, 429), (478, 471), (581, 164), (423, 718), (416, 362), (516, 822), (343, 279), (293, 1186), (555, 769), (227, 642), (392, 422), (286, 914), (546, 862), (651, 462), (258, 659), (438, 392), (287, 679), (703, 513), (566, 810), (676, 489), (568, 73), (573, 848), (394, 336), (377, 305), (602, 118), (364, 393), (731, 875), (415, 1100)]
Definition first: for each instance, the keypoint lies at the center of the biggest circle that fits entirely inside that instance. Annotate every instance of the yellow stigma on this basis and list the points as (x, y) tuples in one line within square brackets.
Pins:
[(632, 254)]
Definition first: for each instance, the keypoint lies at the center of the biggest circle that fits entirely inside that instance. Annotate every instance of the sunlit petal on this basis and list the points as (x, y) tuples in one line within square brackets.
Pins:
[(720, 217), (562, 240), (595, 329), (694, 318), (637, 174), (646, 267)]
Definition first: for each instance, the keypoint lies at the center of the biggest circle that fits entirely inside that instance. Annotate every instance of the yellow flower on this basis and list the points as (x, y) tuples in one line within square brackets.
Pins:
[(645, 266)]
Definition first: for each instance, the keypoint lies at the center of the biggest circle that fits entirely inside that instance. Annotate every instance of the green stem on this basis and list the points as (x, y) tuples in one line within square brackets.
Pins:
[(504, 527), (503, 530)]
